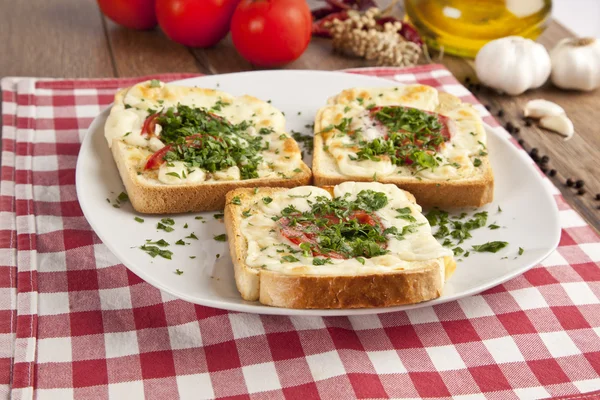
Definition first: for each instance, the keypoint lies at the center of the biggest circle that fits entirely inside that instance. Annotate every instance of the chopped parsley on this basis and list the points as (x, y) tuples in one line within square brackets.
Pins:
[(220, 238), (219, 105), (289, 258), (164, 227), (267, 200), (493, 226), (140, 220), (305, 140), (521, 251), (161, 243), (154, 251), (236, 200), (322, 261), (413, 139), (154, 83), (168, 221), (122, 197), (218, 216), (491, 247), (204, 140), (477, 162), (185, 226), (178, 272), (192, 236), (347, 228)]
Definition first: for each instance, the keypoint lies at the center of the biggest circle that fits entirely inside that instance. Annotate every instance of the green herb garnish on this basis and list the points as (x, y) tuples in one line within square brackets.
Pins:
[(491, 247), (220, 238), (154, 251), (164, 227), (140, 220)]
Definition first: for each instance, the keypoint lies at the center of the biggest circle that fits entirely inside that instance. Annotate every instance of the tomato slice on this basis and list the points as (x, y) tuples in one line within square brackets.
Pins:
[(157, 158), (149, 126)]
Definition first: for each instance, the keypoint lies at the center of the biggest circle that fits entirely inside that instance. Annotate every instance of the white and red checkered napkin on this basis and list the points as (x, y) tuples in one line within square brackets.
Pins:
[(75, 322)]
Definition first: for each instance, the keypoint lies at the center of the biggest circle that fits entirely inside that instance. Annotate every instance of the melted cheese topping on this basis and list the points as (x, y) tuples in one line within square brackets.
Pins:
[(457, 156), (265, 242), (130, 110)]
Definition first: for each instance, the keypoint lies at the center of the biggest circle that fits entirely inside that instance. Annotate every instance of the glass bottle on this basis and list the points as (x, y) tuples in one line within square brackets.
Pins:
[(462, 27)]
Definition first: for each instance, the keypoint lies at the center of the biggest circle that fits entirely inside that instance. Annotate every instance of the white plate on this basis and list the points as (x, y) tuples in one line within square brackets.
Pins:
[(529, 217)]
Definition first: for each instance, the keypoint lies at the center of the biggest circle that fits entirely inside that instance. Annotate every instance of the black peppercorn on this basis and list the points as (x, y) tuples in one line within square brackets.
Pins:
[(535, 158), (477, 87), (552, 172), (528, 123), (581, 192), (598, 196), (579, 184), (510, 127), (545, 160), (467, 79), (570, 182), (487, 107), (544, 169), (533, 151), (521, 142), (501, 113), (517, 130)]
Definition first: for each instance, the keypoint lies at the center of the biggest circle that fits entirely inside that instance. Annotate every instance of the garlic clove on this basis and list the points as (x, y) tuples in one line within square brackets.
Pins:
[(560, 124), (539, 108)]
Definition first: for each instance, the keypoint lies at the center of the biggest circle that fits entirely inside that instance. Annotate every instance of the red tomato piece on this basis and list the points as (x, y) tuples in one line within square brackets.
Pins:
[(270, 33), (195, 23), (133, 14), (156, 159)]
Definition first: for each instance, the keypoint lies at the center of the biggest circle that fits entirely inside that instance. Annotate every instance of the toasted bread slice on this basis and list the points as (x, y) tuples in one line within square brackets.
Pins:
[(406, 277), (184, 185), (471, 184)]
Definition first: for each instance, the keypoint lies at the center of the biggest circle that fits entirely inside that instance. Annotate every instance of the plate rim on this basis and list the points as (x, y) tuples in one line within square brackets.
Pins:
[(258, 308)]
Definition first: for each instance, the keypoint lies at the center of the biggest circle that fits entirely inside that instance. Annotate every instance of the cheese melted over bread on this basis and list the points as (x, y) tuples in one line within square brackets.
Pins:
[(281, 156), (267, 248), (463, 157)]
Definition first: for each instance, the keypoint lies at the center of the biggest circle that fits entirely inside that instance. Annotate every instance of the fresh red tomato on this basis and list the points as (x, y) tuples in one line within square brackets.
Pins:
[(195, 23), (269, 33), (134, 14)]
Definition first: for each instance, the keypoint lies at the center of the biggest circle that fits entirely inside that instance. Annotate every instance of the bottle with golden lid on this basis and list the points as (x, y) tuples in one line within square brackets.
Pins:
[(462, 27)]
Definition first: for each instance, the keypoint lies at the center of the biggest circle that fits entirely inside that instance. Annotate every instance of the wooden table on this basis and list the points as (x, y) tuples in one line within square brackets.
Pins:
[(71, 38)]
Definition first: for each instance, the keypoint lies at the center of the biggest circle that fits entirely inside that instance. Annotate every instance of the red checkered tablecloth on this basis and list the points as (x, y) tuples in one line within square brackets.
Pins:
[(74, 322)]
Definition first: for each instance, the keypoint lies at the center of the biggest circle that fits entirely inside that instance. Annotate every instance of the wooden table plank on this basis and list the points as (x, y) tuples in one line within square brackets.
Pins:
[(58, 38), (137, 53)]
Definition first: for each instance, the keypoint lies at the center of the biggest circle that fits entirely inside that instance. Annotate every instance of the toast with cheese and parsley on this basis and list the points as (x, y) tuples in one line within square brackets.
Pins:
[(181, 149), (358, 244), (427, 142)]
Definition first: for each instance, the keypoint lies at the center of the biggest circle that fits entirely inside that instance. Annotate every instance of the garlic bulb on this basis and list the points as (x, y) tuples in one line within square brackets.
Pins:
[(512, 65), (539, 108), (576, 64), (560, 124)]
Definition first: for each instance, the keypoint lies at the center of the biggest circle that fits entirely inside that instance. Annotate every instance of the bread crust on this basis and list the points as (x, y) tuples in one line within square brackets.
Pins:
[(172, 199), (473, 192), (305, 291)]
